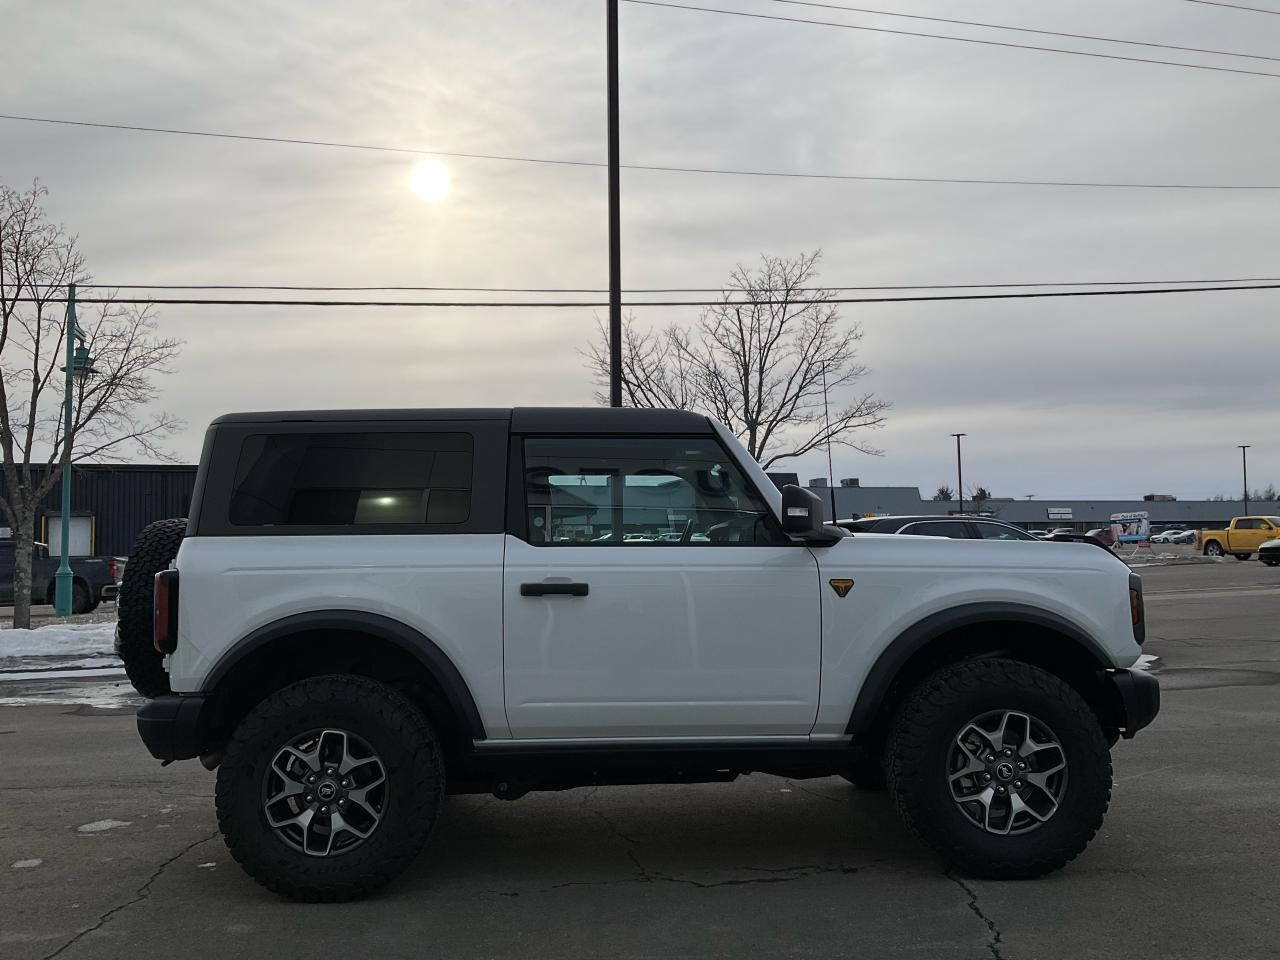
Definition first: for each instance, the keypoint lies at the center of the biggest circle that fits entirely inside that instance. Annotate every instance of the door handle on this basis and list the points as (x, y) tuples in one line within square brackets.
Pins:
[(553, 589)]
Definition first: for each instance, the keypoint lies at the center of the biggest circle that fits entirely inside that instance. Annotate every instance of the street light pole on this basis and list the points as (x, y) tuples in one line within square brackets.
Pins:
[(615, 221), (62, 580), (959, 471), (79, 366), (1244, 468)]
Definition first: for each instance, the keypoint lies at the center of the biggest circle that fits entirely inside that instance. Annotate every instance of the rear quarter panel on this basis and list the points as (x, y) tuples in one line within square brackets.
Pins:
[(448, 587), (901, 580)]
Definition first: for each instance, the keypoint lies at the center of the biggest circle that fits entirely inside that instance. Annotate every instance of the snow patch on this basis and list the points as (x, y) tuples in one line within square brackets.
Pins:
[(84, 639), (25, 864), (206, 866), (100, 825)]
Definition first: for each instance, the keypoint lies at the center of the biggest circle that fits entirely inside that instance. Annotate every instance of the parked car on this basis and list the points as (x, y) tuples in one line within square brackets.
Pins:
[(94, 578), (1167, 536), (956, 528), (1041, 534), (1057, 530), (1183, 536), (1269, 553), (1103, 535), (1241, 538), (440, 638)]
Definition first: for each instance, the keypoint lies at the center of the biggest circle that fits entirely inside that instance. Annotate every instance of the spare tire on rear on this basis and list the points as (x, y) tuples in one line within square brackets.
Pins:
[(153, 551)]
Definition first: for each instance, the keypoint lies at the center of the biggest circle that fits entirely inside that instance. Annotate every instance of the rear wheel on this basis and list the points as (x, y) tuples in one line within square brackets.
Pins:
[(329, 788), (153, 551), (1213, 549), (1000, 767)]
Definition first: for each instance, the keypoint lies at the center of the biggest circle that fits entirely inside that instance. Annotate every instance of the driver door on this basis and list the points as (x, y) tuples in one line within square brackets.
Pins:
[(653, 595)]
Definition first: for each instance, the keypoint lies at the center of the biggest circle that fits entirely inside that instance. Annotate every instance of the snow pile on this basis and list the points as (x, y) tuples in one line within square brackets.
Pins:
[(60, 640), (68, 646)]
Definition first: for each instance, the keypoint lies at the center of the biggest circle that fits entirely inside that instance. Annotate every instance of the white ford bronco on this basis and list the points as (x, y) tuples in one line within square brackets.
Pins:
[(367, 610)]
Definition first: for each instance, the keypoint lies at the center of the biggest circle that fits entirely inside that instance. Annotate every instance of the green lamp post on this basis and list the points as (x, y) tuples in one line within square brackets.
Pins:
[(79, 368)]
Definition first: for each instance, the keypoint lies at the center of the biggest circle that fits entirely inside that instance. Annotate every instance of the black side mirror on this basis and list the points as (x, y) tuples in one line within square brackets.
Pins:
[(801, 513)]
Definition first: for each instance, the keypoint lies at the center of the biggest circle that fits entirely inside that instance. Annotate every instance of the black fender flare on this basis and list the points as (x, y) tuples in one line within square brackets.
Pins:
[(916, 637), (434, 660)]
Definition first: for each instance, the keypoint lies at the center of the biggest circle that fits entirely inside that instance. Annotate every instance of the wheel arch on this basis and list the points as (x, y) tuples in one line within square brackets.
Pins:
[(1036, 636), (344, 641)]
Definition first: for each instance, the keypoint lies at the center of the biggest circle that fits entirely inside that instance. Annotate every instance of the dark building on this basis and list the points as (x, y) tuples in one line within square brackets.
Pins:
[(110, 503)]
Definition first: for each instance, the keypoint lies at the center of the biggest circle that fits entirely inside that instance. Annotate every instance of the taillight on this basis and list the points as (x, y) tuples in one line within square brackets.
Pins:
[(1137, 613), (164, 628), (111, 569)]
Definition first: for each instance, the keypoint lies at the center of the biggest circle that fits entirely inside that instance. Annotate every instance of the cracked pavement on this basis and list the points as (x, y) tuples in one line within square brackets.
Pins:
[(1184, 865)]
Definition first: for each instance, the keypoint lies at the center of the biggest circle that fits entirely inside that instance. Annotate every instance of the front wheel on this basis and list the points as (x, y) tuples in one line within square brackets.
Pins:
[(329, 788), (1000, 767), (1242, 556)]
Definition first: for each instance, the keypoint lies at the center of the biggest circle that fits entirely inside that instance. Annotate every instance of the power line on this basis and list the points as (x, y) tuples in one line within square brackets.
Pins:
[(1043, 33), (134, 128), (642, 303), (939, 36), (403, 289), (1235, 6)]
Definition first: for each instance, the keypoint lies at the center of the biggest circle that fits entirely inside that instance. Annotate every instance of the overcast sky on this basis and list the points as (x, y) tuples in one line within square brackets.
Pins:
[(1086, 397)]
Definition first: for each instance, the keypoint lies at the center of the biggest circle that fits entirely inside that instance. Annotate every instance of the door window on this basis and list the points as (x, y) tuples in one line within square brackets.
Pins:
[(641, 492), (1248, 524)]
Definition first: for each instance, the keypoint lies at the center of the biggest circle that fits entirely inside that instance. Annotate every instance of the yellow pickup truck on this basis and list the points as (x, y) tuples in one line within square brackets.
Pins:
[(1240, 539)]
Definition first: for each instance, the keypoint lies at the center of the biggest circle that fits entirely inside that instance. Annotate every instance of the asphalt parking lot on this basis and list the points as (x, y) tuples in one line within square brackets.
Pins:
[(104, 854)]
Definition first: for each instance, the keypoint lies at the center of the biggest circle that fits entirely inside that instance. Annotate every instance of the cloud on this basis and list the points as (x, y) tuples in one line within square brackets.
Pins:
[(1083, 397)]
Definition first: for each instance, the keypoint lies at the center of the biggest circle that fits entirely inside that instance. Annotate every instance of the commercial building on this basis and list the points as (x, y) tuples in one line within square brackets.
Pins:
[(110, 503)]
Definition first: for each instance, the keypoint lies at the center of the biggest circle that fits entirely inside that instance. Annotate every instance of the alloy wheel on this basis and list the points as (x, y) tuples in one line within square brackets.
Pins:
[(325, 792), (1007, 772)]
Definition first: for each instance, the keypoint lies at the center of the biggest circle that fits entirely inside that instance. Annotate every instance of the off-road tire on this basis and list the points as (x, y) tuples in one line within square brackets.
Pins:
[(398, 733), (916, 763), (152, 552)]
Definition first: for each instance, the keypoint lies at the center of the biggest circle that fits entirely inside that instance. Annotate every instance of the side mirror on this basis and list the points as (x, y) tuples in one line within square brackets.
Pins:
[(801, 513)]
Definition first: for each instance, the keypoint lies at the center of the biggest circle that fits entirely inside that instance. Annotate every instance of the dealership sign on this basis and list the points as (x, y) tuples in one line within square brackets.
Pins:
[(1059, 513), (1131, 527)]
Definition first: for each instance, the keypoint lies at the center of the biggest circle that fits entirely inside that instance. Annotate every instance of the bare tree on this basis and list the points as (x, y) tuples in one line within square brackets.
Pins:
[(763, 361), (944, 493), (110, 417)]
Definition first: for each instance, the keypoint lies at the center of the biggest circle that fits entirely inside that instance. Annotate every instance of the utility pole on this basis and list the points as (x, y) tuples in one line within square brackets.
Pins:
[(959, 471), (615, 222), (1244, 468), (826, 419)]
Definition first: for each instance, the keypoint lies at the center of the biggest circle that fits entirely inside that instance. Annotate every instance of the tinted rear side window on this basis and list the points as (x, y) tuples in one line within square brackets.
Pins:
[(352, 479)]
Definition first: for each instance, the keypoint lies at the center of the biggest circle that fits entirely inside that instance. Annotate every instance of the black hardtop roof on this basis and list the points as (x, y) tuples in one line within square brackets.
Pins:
[(522, 419)]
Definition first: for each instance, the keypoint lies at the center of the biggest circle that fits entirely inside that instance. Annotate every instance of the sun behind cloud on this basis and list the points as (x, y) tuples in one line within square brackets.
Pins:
[(429, 180)]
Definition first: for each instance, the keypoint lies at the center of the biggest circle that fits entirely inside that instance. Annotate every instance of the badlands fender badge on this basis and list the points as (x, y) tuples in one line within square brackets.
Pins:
[(841, 587)]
